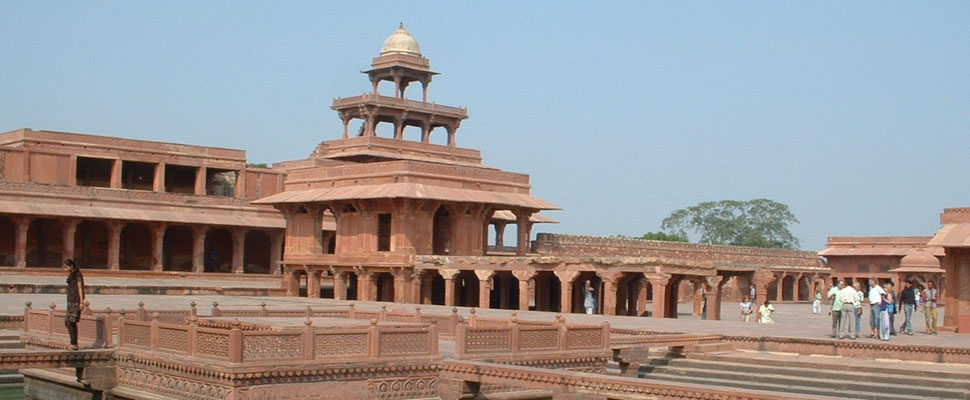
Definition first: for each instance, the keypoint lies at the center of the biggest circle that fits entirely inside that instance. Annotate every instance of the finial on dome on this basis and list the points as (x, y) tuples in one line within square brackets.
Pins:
[(401, 42)]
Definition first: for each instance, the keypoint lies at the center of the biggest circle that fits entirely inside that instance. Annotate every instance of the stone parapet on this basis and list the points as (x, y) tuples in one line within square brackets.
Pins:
[(576, 245)]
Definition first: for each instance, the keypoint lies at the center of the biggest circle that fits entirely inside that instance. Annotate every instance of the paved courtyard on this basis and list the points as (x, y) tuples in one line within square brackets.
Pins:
[(792, 320)]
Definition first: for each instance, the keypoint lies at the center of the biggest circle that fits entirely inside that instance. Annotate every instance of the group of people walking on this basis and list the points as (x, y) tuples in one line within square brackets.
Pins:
[(884, 303)]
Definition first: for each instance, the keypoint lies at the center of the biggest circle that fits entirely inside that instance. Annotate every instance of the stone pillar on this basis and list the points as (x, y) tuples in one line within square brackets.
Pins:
[(795, 288), (522, 222), (158, 245), (159, 184), (70, 230), (500, 235), (198, 248), (200, 181), (114, 244), (275, 252), (449, 277), (346, 122), (698, 297), (238, 250), (339, 285), (116, 174), (402, 287), (312, 283), (425, 132), (365, 286), (761, 281), (609, 291), (484, 286), (566, 279), (659, 282), (781, 287), (524, 276), (20, 242), (451, 135), (317, 247), (953, 261), (713, 287), (642, 297)]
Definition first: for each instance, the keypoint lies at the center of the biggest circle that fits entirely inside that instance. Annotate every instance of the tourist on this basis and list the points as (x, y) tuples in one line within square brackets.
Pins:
[(752, 293), (893, 306), (817, 305), (847, 296), (929, 307), (907, 297), (875, 302), (590, 301), (75, 300), (747, 308), (836, 307), (885, 307), (766, 310), (857, 305)]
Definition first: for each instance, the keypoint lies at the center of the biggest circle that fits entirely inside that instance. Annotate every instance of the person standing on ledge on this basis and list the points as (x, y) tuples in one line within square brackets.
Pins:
[(75, 300)]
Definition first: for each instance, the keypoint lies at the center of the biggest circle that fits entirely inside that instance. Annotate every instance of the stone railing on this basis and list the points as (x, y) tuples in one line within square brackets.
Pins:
[(592, 246), (853, 349), (236, 345), (46, 328), (411, 105), (510, 338)]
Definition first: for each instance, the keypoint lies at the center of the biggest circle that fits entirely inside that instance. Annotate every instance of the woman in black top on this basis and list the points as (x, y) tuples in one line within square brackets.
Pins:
[(75, 300)]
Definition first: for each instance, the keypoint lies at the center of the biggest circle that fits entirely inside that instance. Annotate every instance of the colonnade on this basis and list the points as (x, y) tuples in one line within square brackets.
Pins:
[(117, 244)]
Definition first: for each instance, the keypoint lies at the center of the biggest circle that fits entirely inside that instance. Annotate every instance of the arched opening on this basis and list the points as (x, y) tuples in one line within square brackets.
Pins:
[(432, 288), (548, 291), (177, 249), (772, 290), (8, 242), (466, 289), (257, 250), (384, 283), (505, 291), (788, 288), (579, 295), (672, 294), (91, 245), (412, 133), (441, 232), (439, 136), (136, 247), (352, 286), (218, 251), (803, 289), (627, 290), (331, 241), (45, 238), (384, 129)]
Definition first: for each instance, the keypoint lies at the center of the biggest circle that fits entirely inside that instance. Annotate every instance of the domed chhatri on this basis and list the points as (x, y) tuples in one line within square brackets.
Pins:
[(401, 42), (919, 258)]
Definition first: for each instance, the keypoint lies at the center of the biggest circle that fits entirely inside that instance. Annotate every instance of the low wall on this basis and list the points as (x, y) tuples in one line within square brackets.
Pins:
[(853, 349)]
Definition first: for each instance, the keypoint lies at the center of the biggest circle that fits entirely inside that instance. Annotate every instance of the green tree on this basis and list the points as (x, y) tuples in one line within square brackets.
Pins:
[(757, 223), (669, 237)]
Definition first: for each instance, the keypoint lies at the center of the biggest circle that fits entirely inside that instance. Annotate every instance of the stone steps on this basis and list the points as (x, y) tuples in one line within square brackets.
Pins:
[(811, 378), (10, 377), (926, 370)]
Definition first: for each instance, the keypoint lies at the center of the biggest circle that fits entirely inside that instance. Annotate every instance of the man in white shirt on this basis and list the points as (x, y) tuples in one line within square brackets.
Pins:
[(875, 300), (847, 295)]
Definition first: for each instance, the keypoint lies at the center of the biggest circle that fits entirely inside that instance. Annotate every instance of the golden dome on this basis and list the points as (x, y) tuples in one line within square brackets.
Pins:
[(401, 42)]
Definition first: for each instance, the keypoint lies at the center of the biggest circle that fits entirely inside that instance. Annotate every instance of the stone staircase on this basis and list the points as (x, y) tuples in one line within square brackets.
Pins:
[(11, 381), (815, 376)]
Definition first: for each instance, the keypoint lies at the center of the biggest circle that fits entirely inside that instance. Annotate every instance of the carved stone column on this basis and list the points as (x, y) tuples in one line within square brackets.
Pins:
[(500, 235), (522, 237), (642, 296), (713, 287), (781, 287), (238, 251), (200, 181), (365, 286), (114, 244), (312, 283), (524, 276), (761, 280), (20, 242), (70, 230), (158, 245), (609, 279), (402, 286), (484, 287), (198, 248), (698, 297), (659, 282), (566, 279), (796, 289), (339, 284), (449, 276), (275, 252)]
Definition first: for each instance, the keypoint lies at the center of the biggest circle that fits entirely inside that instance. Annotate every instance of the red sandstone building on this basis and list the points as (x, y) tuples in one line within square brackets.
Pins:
[(366, 217), (887, 259)]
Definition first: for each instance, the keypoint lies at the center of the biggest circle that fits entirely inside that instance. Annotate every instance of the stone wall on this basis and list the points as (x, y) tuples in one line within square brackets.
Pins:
[(587, 246)]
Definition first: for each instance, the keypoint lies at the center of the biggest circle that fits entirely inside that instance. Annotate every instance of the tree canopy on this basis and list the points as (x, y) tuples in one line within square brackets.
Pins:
[(668, 237), (757, 223)]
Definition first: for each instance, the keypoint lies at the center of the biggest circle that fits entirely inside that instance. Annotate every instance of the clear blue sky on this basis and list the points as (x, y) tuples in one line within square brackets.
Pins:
[(856, 114)]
